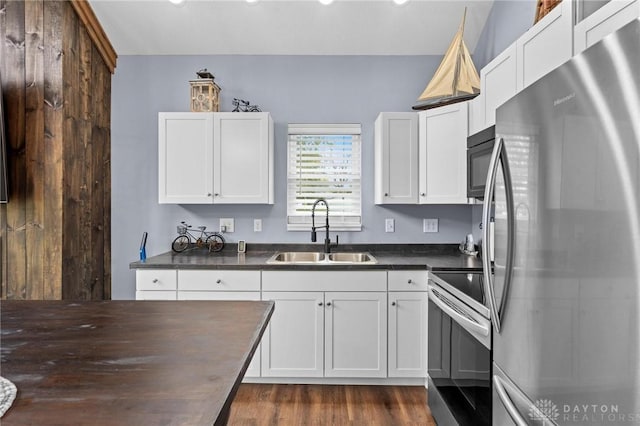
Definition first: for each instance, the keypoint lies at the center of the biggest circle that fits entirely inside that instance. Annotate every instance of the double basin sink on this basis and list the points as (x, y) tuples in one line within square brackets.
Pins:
[(315, 258)]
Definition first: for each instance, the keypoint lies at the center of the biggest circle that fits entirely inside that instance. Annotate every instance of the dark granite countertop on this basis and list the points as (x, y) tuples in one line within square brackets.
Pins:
[(437, 257)]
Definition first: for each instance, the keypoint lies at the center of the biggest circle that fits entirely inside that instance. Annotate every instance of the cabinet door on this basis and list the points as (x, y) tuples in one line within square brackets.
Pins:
[(355, 334), (443, 155), (408, 334), (396, 158), (185, 157), (498, 82), (243, 158), (546, 45), (609, 18), (292, 343)]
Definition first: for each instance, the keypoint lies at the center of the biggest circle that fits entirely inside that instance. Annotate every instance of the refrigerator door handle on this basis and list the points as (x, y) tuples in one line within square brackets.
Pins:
[(451, 308), (507, 402), (486, 217), (498, 156)]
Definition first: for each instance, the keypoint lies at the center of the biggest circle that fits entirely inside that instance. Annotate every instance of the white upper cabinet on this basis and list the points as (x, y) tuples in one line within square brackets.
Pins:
[(185, 155), (396, 158), (443, 154), (498, 82), (243, 158), (609, 18), (546, 45), (221, 158)]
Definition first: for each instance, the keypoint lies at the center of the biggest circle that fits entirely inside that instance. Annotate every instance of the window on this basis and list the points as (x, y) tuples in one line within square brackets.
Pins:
[(324, 162)]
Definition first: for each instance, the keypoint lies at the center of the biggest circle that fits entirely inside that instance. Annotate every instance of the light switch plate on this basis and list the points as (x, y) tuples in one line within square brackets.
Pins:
[(429, 225), (257, 225), (226, 224), (389, 225)]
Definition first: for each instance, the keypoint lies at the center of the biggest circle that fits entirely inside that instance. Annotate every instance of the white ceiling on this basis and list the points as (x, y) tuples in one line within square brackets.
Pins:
[(288, 27)]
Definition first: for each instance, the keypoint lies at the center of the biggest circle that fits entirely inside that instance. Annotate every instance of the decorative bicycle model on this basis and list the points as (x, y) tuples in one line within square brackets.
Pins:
[(243, 106), (211, 240)]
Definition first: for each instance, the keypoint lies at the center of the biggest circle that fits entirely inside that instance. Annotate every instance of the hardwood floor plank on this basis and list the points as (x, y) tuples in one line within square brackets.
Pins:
[(281, 404)]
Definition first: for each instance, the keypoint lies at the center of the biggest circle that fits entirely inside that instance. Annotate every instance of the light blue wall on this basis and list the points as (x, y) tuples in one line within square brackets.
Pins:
[(294, 89), (507, 21)]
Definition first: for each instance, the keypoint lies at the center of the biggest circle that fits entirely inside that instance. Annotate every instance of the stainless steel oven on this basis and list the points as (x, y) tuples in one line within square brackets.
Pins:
[(479, 149), (459, 357)]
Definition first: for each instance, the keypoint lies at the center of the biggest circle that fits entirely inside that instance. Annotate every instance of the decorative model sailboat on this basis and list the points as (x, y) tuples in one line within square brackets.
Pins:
[(455, 80)]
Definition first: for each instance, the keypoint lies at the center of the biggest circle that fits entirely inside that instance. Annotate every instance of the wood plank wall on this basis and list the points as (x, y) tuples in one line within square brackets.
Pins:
[(55, 230)]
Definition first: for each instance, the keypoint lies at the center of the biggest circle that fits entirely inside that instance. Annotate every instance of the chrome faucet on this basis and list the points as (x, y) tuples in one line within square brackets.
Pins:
[(327, 241)]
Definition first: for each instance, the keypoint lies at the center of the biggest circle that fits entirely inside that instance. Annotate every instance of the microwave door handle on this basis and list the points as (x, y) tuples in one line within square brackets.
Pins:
[(470, 325), (507, 402), (486, 217)]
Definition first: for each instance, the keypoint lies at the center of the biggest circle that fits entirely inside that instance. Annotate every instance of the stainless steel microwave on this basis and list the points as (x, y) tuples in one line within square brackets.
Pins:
[(479, 148)]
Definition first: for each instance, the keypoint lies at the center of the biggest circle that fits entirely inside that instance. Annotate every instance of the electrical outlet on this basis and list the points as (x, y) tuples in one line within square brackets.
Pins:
[(429, 225), (257, 225), (389, 225), (226, 224)]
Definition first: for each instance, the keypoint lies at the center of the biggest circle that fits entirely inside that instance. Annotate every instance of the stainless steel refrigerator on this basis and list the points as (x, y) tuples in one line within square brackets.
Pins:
[(565, 292)]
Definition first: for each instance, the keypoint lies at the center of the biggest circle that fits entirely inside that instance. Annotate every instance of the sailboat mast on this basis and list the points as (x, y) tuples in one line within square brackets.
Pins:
[(456, 76)]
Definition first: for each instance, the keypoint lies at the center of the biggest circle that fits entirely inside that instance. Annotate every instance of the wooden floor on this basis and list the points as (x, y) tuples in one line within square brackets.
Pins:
[(268, 404)]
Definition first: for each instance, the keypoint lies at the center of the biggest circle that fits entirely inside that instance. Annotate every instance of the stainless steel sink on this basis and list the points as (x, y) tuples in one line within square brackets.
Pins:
[(315, 258), (352, 258), (297, 257)]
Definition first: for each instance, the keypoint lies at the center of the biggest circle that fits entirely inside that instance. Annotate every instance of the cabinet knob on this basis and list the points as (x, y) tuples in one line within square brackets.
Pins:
[(218, 281), (209, 194), (328, 303), (423, 194), (386, 194), (155, 280), (410, 281), (216, 194), (320, 303), (393, 303)]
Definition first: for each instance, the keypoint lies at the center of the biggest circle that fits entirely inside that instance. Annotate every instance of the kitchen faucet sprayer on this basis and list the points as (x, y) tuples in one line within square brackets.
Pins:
[(327, 240)]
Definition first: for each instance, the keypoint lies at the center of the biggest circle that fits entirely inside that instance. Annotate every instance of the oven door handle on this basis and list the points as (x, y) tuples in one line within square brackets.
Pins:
[(445, 304)]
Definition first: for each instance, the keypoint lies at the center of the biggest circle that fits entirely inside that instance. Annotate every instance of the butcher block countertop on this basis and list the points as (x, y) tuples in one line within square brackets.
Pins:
[(127, 362)]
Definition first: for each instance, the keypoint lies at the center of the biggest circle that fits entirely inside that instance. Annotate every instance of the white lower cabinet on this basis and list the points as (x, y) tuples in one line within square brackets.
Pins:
[(408, 334), (292, 345), (326, 333), (408, 319), (355, 338), (326, 324)]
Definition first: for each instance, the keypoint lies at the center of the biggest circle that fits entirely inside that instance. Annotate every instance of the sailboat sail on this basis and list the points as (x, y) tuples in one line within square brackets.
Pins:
[(455, 80)]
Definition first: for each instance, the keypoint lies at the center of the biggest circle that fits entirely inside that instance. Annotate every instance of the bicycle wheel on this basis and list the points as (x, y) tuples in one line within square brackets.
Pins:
[(215, 242), (180, 244)]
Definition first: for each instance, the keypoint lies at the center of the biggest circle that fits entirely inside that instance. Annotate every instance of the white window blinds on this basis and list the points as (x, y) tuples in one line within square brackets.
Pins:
[(324, 162)]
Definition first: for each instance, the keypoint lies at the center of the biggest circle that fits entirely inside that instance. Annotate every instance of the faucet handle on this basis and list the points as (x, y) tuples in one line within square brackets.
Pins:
[(337, 239), (313, 235)]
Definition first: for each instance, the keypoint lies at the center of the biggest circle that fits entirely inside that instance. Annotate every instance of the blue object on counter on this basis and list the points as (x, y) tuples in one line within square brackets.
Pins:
[(143, 247)]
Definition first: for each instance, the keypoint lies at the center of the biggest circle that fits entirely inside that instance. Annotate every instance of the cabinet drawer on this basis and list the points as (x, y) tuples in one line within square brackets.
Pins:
[(408, 280), (324, 280), (156, 279), (219, 280)]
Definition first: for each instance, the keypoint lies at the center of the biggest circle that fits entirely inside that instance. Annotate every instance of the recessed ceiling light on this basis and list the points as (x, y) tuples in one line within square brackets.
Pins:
[(177, 1), (252, 1), (400, 2), (326, 2)]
